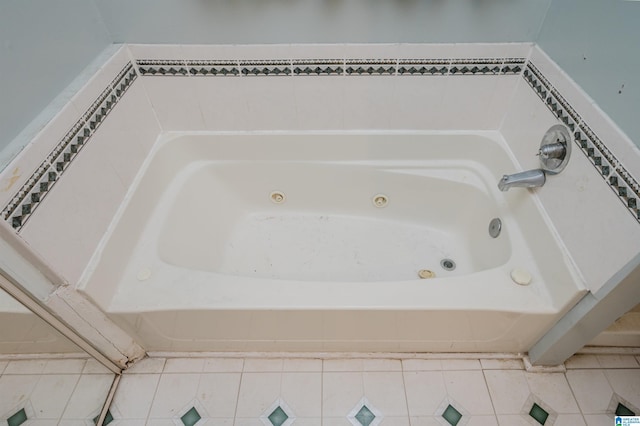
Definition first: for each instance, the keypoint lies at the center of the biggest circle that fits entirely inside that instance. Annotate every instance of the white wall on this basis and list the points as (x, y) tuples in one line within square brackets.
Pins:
[(44, 45), (322, 21), (597, 42)]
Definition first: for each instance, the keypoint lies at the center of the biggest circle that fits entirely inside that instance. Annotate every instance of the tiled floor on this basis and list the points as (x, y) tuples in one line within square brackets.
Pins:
[(52, 391), (371, 392)]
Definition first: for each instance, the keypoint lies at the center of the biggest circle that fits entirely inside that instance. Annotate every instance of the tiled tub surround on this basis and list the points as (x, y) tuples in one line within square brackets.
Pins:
[(416, 95), (395, 391), (289, 276)]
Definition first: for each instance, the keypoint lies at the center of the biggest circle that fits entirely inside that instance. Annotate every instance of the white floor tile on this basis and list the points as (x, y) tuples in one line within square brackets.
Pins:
[(174, 392), (341, 391), (385, 391), (94, 367), (302, 421), (618, 361), (502, 364), (303, 393), (461, 364), (262, 365), (220, 422), (52, 393), (425, 391), (296, 364), (626, 383), (570, 420), (469, 389), (598, 419), (218, 393), (15, 390), (395, 421), (509, 390), (582, 361), (483, 421), (129, 422), (335, 421), (512, 420), (554, 390), (258, 391), (424, 421), (88, 396), (64, 366), (135, 395), (343, 365), (421, 365), (146, 366), (3, 365), (381, 365), (591, 389), (35, 366), (184, 365), (251, 421), (223, 365)]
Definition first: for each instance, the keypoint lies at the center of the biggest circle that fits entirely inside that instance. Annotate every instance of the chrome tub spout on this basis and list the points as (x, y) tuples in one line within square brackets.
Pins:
[(529, 179)]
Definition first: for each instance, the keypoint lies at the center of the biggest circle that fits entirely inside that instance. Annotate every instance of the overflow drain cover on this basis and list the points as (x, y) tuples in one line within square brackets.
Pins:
[(495, 226)]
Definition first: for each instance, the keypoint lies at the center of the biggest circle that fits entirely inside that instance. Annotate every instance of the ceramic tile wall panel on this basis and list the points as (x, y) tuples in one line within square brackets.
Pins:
[(34, 155), (599, 232), (625, 151), (107, 77), (349, 98), (175, 102), (82, 205), (239, 52), (100, 102)]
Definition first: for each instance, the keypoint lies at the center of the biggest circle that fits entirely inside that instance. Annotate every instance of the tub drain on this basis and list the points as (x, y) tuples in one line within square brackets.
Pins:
[(448, 264)]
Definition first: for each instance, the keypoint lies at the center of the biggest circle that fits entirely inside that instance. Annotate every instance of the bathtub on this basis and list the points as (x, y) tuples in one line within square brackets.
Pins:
[(345, 241)]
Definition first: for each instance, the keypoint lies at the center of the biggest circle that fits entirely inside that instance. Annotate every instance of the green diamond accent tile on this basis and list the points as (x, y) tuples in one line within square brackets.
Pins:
[(18, 418), (191, 417), (538, 413), (107, 419), (452, 415), (365, 416), (621, 410), (278, 417)]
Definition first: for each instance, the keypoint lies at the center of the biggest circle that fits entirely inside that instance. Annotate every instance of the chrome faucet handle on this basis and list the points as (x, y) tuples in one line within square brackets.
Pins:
[(555, 149)]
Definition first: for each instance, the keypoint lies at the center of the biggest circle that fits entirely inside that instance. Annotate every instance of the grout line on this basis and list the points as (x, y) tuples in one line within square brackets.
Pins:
[(235, 411), (66, 406)]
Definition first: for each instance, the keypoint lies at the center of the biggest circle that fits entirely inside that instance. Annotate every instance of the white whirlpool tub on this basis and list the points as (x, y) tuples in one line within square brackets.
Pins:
[(314, 242)]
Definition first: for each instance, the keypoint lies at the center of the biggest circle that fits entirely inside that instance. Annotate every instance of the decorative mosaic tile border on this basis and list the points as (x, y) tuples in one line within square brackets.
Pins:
[(31, 194), (619, 179), (331, 67)]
